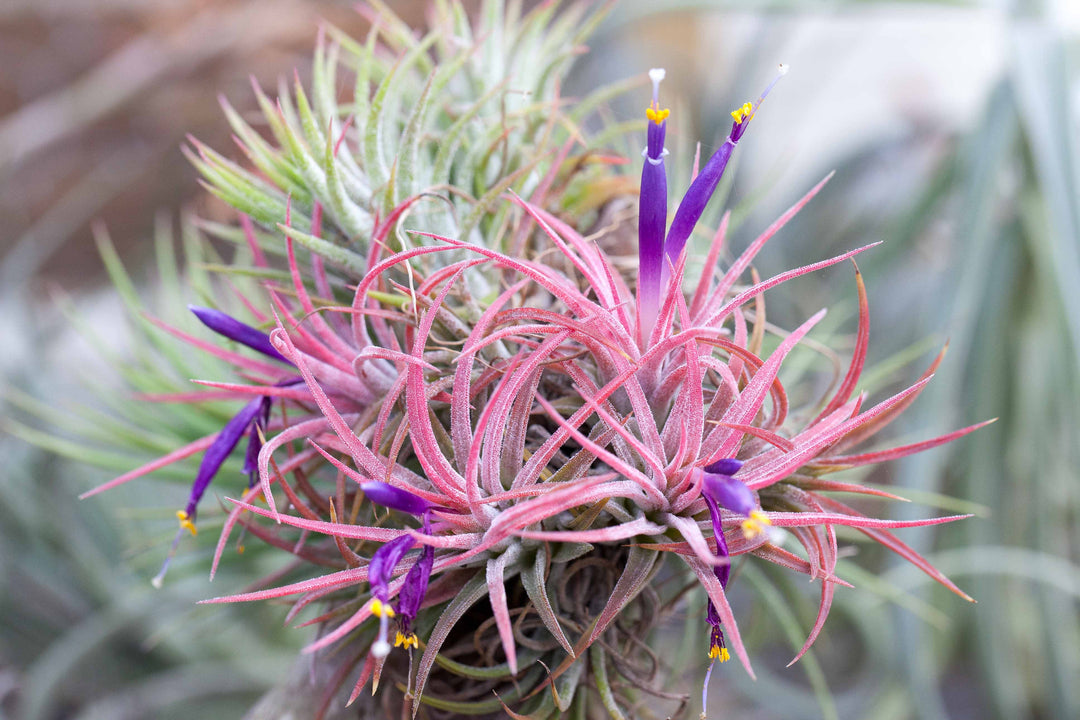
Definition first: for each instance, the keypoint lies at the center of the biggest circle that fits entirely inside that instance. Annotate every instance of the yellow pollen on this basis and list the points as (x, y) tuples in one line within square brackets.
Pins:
[(755, 524), (406, 641), (719, 653), (656, 115), (185, 522), (379, 608), (742, 113)]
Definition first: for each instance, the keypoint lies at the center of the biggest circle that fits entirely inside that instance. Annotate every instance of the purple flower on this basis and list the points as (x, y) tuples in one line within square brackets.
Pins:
[(382, 565), (652, 211), (252, 419), (212, 461), (704, 185), (722, 489), (215, 457), (412, 593), (387, 557), (233, 329), (717, 649)]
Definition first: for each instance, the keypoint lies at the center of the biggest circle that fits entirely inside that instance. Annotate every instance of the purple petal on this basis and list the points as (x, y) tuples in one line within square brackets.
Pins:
[(652, 223), (723, 572), (233, 329), (395, 498), (724, 466), (652, 212), (219, 451), (730, 493), (711, 616), (415, 587), (383, 563), (694, 201), (654, 149), (704, 185), (251, 457)]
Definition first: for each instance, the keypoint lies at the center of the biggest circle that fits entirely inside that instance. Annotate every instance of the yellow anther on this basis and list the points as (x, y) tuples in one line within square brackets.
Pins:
[(717, 652), (656, 115), (755, 524), (406, 641), (185, 522), (742, 113), (379, 609), (240, 549)]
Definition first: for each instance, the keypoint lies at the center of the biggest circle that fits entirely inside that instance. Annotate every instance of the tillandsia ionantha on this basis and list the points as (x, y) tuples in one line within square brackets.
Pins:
[(463, 393)]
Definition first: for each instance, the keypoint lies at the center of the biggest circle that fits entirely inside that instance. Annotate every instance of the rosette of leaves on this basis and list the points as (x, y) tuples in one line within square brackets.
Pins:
[(566, 447)]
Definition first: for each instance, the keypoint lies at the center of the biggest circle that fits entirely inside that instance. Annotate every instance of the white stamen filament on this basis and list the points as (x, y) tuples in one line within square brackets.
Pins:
[(781, 72), (158, 580), (381, 648), (705, 691)]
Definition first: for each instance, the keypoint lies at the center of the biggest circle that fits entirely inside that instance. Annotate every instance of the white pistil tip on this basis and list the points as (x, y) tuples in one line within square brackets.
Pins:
[(777, 536), (656, 75), (157, 581), (380, 648), (783, 68)]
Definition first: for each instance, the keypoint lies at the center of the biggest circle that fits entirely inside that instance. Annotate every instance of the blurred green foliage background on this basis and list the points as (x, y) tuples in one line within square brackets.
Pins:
[(952, 127)]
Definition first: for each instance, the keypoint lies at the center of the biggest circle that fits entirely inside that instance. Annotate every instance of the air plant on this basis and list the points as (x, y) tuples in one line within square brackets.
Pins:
[(515, 458)]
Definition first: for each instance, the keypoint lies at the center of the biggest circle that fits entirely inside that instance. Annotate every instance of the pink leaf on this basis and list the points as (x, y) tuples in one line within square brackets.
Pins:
[(897, 452), (497, 597), (858, 359), (175, 456)]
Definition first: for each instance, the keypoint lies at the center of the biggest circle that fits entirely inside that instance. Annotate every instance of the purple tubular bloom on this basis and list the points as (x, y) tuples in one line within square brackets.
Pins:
[(717, 649), (395, 498), (730, 493), (704, 185), (252, 418), (413, 591), (415, 587), (216, 455), (652, 211), (733, 495), (380, 568), (383, 563), (233, 329), (694, 201), (723, 572)]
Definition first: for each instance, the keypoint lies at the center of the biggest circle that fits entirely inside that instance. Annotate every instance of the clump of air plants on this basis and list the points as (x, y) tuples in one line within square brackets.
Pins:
[(501, 461)]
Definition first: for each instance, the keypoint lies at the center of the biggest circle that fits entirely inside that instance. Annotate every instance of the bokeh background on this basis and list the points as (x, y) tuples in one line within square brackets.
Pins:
[(953, 129)]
